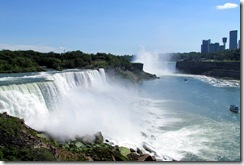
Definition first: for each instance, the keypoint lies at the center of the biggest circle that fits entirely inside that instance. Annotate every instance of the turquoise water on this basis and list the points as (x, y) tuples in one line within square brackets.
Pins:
[(193, 117)]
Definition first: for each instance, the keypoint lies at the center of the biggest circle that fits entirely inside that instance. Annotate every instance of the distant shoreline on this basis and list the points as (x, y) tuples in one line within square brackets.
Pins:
[(226, 70)]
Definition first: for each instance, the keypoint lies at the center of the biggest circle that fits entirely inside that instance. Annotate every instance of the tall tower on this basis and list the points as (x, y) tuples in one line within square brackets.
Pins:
[(224, 39), (233, 39)]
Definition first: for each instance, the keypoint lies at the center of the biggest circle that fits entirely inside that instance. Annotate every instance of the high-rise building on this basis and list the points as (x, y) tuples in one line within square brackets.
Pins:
[(233, 39), (205, 46), (224, 39), (239, 44), (213, 47)]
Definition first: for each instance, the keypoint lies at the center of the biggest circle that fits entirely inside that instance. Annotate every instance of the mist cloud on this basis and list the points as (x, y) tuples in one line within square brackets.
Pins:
[(154, 62)]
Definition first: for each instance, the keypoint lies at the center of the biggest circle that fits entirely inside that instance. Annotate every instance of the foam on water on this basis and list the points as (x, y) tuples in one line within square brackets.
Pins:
[(187, 136), (216, 82), (219, 82)]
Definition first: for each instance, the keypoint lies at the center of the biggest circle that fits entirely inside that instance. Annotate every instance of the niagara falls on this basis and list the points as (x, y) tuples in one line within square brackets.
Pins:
[(176, 119), (115, 81)]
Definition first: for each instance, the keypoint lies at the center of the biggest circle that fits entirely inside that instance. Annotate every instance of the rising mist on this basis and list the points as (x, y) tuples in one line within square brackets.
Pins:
[(155, 63)]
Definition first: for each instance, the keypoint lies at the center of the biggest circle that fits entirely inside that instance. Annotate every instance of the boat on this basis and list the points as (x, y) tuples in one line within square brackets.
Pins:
[(234, 108)]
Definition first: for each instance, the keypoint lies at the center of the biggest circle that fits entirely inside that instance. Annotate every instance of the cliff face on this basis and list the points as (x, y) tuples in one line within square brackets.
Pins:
[(216, 69)]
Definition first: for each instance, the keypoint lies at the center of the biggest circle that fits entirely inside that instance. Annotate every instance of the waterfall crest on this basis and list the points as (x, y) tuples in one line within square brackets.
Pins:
[(30, 100)]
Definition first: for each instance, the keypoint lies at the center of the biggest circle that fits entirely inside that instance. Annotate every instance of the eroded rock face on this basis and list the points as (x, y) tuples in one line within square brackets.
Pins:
[(215, 69)]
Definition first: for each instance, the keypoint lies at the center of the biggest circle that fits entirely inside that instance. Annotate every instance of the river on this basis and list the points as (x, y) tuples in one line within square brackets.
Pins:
[(179, 116)]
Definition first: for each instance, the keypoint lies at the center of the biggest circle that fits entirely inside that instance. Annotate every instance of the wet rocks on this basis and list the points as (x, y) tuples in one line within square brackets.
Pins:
[(139, 151), (146, 157)]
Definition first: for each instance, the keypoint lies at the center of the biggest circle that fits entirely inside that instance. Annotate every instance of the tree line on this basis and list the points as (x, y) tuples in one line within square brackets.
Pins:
[(226, 55), (32, 61)]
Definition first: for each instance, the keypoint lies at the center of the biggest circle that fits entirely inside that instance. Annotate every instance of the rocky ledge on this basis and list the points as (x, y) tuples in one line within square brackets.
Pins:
[(131, 75), (19, 142)]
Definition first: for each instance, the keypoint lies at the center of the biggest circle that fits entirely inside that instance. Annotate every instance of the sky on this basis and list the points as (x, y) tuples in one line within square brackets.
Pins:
[(121, 27)]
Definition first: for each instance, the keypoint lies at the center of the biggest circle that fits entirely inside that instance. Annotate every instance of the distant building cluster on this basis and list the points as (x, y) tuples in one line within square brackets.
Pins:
[(208, 47)]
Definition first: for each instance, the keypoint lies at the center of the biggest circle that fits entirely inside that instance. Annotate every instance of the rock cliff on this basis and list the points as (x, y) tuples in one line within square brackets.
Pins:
[(230, 70)]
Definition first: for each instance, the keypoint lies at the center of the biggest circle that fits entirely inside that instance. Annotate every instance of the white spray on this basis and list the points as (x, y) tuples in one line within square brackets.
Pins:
[(155, 63), (74, 103)]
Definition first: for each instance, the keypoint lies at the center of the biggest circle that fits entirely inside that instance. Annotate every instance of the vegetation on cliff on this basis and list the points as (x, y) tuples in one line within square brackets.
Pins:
[(32, 61), (226, 55), (18, 142)]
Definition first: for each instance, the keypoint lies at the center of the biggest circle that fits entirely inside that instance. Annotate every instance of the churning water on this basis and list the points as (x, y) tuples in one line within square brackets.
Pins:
[(190, 120), (184, 120)]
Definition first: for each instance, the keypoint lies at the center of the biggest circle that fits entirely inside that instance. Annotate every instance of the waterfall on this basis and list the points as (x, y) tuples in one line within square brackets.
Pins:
[(35, 100), (72, 103)]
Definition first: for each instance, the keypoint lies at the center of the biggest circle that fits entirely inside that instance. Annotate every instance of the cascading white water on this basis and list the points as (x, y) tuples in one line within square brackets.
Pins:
[(72, 103), (29, 100), (23, 100)]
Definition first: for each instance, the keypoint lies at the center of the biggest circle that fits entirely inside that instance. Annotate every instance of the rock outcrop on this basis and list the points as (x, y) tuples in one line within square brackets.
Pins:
[(131, 75)]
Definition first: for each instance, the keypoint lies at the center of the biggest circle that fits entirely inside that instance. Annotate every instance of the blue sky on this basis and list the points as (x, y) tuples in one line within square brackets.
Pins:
[(116, 26)]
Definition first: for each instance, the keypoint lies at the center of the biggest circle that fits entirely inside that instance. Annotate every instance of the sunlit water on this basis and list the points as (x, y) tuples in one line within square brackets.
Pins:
[(182, 119), (190, 120)]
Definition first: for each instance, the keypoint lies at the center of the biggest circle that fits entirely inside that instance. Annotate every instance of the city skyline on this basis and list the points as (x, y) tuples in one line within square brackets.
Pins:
[(118, 27), (207, 46)]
